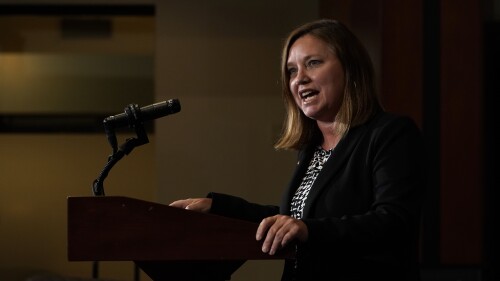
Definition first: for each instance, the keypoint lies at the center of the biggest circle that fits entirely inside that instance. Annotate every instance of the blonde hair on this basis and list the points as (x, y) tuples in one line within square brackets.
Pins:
[(360, 100)]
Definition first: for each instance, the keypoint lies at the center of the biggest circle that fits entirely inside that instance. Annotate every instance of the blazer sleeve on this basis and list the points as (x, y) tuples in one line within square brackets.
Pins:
[(236, 207)]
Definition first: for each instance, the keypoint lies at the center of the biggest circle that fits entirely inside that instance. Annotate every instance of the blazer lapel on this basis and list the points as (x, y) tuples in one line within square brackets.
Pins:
[(332, 166), (304, 158)]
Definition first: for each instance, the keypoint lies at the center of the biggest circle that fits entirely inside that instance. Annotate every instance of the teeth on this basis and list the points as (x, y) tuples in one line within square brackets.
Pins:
[(307, 94)]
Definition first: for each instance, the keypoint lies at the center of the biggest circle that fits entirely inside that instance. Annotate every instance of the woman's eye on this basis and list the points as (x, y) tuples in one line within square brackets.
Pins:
[(292, 71), (314, 62)]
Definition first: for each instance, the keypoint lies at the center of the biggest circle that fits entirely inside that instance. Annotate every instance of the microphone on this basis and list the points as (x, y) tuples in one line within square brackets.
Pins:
[(134, 114)]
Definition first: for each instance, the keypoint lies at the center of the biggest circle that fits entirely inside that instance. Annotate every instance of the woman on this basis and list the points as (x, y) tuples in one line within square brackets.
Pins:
[(353, 204)]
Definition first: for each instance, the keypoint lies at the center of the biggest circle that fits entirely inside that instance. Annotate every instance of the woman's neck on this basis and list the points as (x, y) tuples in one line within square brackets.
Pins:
[(330, 137)]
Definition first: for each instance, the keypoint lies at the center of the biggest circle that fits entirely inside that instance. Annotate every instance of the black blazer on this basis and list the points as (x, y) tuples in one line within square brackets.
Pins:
[(363, 211)]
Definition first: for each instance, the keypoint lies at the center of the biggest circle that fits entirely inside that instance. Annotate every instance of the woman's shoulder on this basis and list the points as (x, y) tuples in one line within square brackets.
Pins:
[(387, 120), (386, 127)]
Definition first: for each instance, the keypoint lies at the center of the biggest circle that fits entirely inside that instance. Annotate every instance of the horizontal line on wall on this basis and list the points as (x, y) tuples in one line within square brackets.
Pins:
[(76, 9), (58, 123)]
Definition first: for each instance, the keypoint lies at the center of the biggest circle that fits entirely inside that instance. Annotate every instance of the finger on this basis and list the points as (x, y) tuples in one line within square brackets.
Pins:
[(289, 236), (200, 205), (191, 205), (263, 227), (278, 237), (269, 244), (179, 204), (284, 227)]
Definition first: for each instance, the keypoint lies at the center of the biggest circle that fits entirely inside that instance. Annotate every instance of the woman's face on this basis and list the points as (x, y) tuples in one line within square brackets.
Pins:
[(316, 78)]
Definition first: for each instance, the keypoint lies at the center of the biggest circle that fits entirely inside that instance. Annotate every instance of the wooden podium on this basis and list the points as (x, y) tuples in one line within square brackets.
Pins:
[(166, 243)]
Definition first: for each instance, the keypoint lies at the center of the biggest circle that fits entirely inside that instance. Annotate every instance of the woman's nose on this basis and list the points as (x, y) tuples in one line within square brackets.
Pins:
[(302, 77)]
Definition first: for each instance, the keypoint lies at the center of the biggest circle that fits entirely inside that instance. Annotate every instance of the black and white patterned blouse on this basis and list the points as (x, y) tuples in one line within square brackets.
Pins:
[(315, 167)]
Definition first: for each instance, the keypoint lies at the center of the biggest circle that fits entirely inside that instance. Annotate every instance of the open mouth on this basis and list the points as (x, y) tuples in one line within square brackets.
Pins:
[(307, 95)]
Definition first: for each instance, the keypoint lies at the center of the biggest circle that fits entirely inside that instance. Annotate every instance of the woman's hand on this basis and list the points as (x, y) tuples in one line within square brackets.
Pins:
[(279, 230), (194, 204)]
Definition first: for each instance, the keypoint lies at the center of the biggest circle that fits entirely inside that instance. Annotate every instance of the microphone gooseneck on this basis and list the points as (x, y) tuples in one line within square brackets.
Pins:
[(134, 117)]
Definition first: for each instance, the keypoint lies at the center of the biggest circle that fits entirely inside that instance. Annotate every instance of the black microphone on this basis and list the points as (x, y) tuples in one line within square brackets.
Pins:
[(146, 113)]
